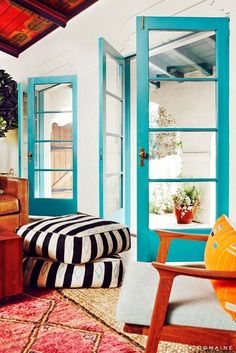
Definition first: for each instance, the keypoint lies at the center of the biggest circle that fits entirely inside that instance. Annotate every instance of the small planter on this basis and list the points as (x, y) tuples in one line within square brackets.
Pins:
[(185, 214)]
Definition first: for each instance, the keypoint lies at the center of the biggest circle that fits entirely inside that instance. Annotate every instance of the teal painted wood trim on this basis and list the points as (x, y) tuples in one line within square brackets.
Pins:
[(184, 23), (222, 94), (144, 241), (53, 79), (52, 111), (102, 112), (182, 79), (53, 170), (183, 129), (40, 127), (127, 153), (183, 180), (20, 128), (20, 118), (147, 239), (41, 141), (75, 143), (22, 89), (31, 141)]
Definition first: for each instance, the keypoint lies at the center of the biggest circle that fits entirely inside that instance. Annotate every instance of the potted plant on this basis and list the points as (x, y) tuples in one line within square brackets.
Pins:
[(186, 202)]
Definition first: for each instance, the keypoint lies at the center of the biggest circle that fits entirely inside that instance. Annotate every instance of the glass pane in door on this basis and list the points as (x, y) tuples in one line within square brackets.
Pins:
[(113, 115), (54, 184), (53, 155), (182, 54), (53, 147), (113, 193), (53, 97), (182, 104), (162, 209), (113, 76), (178, 154)]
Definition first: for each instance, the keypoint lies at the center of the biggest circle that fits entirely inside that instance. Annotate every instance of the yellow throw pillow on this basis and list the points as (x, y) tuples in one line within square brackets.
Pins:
[(220, 255)]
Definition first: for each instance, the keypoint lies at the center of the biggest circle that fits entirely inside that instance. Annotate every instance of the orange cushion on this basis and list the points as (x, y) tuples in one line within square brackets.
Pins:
[(220, 254), (8, 204)]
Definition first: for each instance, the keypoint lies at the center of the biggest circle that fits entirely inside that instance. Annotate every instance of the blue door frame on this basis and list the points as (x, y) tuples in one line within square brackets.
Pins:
[(22, 133), (41, 205), (147, 239), (123, 214)]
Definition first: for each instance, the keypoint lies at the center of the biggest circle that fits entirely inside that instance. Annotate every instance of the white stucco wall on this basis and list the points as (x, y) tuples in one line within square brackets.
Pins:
[(74, 50)]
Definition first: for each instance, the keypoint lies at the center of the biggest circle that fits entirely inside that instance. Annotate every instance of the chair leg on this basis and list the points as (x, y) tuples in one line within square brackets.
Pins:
[(163, 250), (159, 311)]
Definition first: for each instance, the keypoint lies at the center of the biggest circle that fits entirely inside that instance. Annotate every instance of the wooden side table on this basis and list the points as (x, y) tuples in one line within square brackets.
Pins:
[(11, 263)]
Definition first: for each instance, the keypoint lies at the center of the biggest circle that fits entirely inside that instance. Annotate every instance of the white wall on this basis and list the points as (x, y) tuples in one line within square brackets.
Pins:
[(9, 153), (74, 50)]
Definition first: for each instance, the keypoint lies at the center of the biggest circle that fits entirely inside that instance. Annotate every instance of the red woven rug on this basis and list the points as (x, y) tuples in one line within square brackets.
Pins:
[(44, 321)]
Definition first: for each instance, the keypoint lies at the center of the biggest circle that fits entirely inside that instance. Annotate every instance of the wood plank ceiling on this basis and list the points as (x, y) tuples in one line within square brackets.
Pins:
[(24, 22)]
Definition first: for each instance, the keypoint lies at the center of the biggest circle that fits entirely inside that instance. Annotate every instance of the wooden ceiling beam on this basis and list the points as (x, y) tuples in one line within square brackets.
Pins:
[(9, 49), (44, 11)]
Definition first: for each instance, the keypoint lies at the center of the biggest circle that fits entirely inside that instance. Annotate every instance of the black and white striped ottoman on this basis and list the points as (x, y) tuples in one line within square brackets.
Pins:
[(74, 239), (102, 273)]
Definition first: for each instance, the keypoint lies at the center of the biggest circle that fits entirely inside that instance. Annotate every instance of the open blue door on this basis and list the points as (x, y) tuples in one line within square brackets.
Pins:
[(52, 145), (182, 126), (114, 135)]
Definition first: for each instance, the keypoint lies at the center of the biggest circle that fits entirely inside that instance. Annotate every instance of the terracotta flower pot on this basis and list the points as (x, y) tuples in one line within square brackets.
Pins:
[(185, 214)]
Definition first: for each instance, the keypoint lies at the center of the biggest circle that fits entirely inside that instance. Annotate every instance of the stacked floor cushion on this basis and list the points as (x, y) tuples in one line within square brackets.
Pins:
[(73, 251), (102, 273)]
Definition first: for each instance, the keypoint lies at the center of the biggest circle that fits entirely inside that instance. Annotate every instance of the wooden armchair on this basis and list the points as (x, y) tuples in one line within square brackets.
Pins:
[(13, 202), (176, 304)]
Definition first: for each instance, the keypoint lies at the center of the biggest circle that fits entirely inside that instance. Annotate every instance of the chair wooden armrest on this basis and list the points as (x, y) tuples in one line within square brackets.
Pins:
[(17, 187), (167, 275), (167, 236), (173, 271)]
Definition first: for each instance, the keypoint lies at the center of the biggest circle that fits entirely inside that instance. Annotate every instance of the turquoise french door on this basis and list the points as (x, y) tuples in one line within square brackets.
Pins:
[(183, 126), (52, 145), (114, 136)]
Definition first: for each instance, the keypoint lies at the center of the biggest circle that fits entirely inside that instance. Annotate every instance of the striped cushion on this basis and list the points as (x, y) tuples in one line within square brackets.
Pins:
[(74, 239), (103, 273)]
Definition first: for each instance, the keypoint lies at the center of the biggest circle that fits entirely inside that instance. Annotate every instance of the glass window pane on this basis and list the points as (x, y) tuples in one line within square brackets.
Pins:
[(182, 155), (113, 154), (181, 54), (113, 76), (53, 97), (54, 184), (113, 115), (53, 126), (53, 155), (162, 211), (113, 194), (182, 104)]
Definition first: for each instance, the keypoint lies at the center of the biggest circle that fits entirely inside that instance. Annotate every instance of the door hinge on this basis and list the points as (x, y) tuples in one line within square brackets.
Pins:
[(142, 22)]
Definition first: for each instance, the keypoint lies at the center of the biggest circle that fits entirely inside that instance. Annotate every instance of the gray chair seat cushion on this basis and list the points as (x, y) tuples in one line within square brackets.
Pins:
[(74, 239), (192, 302), (102, 273)]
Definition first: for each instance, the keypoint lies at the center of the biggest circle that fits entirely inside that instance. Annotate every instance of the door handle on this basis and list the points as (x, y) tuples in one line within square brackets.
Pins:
[(142, 155), (30, 155)]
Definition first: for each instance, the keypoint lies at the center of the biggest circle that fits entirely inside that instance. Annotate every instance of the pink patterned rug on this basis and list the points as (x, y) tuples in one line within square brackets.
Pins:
[(43, 321)]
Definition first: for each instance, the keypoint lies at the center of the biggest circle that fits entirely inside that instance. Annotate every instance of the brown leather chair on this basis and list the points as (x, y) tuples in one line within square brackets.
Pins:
[(13, 202)]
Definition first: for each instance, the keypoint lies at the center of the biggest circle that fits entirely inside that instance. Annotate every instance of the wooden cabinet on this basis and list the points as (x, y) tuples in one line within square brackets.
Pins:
[(11, 263)]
